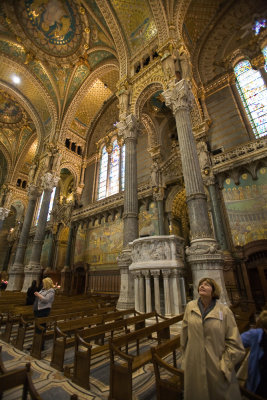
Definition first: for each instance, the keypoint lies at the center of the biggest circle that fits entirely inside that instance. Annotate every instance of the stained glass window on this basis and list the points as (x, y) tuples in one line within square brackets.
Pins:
[(111, 173), (264, 52), (102, 183), (253, 93), (50, 205), (114, 170), (260, 23)]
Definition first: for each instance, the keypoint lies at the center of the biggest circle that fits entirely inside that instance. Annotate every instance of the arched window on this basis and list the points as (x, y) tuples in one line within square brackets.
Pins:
[(50, 205), (112, 171), (253, 93)]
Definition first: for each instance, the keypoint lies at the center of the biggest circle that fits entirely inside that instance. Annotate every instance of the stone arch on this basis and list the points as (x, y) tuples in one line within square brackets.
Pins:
[(111, 65), (143, 94)]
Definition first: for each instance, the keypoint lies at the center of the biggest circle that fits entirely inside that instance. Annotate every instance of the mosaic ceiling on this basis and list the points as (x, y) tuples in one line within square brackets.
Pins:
[(61, 60)]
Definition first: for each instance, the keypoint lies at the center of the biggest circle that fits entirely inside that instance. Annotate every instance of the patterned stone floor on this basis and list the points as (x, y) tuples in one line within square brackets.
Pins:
[(53, 385)]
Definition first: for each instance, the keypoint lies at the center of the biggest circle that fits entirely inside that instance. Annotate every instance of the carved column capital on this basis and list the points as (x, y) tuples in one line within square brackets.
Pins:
[(33, 192), (155, 272), (129, 127), (3, 213), (49, 181), (166, 273), (180, 97)]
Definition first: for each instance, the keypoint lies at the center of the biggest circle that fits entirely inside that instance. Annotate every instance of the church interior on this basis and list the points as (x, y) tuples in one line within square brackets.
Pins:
[(133, 159)]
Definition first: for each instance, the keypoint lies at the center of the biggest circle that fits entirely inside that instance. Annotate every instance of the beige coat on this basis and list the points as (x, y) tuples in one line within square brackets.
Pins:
[(211, 349)]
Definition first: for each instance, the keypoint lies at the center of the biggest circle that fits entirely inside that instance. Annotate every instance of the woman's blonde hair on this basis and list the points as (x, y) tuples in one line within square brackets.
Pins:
[(47, 283), (216, 290)]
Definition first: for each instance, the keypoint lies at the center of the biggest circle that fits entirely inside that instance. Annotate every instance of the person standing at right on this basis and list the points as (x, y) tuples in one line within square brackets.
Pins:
[(211, 347)]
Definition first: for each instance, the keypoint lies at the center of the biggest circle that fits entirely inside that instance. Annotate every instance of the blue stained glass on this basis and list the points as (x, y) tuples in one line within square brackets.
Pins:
[(51, 203), (258, 25), (102, 183), (114, 169), (264, 52), (253, 93), (123, 167), (39, 209)]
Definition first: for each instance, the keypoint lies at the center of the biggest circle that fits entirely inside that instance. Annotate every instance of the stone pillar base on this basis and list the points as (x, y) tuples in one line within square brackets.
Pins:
[(16, 277), (126, 299), (206, 260), (31, 272)]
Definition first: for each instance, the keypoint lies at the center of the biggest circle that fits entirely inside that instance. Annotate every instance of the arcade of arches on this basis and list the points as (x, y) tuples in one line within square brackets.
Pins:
[(133, 148)]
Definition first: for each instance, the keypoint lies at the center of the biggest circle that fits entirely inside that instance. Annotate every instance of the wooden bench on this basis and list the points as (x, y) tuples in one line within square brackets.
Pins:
[(84, 350), (122, 368), (28, 325), (64, 333), (169, 378)]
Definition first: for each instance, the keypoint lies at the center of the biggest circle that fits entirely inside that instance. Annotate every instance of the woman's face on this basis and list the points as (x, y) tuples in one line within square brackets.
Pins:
[(205, 289)]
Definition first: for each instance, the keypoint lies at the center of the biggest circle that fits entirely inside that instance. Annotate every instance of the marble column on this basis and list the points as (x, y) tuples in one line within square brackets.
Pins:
[(155, 273), (16, 272), (166, 285), (33, 269), (203, 254), (141, 293), (217, 217), (136, 290), (128, 128), (177, 307), (148, 291)]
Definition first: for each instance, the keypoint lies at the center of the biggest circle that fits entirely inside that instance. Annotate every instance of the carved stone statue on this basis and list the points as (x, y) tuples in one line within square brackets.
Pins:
[(185, 63), (203, 155), (154, 174), (32, 172)]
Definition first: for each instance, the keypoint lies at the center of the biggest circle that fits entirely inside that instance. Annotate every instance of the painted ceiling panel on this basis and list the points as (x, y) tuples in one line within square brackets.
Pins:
[(26, 86), (137, 21)]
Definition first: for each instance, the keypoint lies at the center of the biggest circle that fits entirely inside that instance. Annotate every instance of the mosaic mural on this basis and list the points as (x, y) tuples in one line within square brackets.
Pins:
[(246, 205), (10, 112), (52, 25), (148, 221)]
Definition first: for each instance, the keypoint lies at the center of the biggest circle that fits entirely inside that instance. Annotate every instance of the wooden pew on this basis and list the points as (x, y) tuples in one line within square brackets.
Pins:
[(28, 325), (121, 372), (169, 378), (84, 350), (64, 334)]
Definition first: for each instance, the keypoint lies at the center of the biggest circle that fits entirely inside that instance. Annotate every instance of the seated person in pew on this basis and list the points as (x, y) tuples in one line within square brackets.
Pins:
[(211, 346), (256, 339)]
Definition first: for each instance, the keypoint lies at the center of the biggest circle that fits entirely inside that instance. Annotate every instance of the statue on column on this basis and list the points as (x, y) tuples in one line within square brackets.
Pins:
[(123, 95), (32, 171), (185, 63)]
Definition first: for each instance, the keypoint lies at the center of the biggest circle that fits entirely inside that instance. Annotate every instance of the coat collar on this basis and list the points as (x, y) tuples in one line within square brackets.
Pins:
[(216, 312)]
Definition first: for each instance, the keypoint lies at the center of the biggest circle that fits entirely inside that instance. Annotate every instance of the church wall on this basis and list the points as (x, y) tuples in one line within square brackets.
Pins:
[(89, 182), (148, 220), (246, 206), (227, 129)]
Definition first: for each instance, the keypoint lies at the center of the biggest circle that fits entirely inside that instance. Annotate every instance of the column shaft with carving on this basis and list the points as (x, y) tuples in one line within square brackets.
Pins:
[(203, 255), (33, 269), (16, 273), (128, 128)]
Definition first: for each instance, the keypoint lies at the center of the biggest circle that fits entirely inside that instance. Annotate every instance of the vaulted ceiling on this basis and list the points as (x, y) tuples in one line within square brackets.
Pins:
[(60, 61)]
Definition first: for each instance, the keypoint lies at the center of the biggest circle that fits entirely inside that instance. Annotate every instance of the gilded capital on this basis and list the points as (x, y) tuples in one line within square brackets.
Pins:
[(179, 97), (49, 181), (129, 127)]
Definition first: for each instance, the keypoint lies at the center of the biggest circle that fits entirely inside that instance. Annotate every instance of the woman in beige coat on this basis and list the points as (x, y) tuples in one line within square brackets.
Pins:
[(211, 347)]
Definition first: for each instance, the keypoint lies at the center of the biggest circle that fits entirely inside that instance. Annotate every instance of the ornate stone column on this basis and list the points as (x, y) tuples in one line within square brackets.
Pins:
[(33, 269), (167, 300), (203, 255), (3, 214), (128, 128), (136, 290), (16, 272), (217, 217), (141, 293), (177, 307), (155, 273), (148, 291)]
